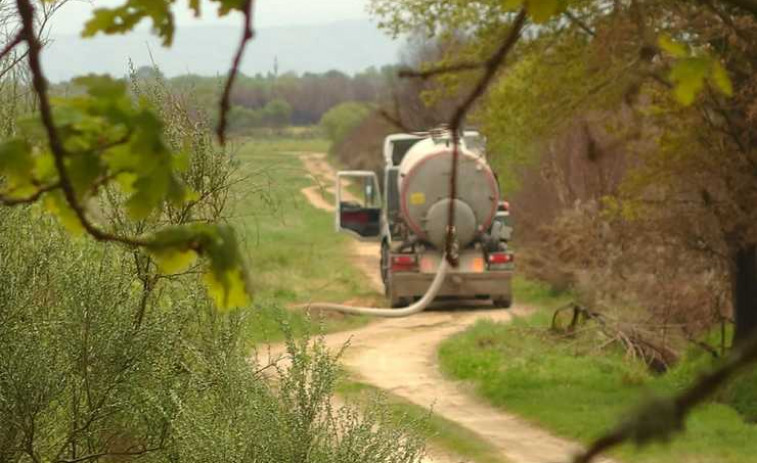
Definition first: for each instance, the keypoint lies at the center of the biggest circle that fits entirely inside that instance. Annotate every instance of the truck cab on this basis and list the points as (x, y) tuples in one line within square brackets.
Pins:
[(408, 261)]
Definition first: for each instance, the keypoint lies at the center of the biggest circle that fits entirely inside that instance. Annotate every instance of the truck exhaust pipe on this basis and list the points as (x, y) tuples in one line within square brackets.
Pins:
[(420, 306)]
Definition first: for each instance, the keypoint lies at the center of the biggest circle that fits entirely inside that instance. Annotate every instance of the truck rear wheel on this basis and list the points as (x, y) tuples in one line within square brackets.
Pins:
[(395, 302), (502, 302), (385, 263), (400, 302)]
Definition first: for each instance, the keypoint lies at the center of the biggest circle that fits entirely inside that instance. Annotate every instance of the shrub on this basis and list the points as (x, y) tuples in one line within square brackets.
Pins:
[(89, 368), (340, 120)]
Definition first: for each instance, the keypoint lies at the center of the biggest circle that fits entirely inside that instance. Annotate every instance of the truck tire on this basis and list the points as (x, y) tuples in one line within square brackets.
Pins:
[(502, 302), (397, 302), (400, 302), (385, 264)]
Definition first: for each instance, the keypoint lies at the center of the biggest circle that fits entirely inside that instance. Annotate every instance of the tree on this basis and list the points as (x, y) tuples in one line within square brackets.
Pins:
[(277, 114), (340, 120)]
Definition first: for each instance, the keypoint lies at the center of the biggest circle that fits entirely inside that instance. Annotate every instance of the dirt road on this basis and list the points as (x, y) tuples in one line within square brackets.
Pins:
[(399, 356), (324, 177)]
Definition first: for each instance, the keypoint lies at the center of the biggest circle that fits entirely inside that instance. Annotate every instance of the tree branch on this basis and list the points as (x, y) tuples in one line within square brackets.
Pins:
[(7, 201), (39, 83), (247, 35), (492, 65), (452, 68), (580, 23), (11, 45)]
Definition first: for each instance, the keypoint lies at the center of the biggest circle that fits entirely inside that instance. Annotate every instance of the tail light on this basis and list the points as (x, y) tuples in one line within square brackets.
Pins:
[(404, 263), (499, 258)]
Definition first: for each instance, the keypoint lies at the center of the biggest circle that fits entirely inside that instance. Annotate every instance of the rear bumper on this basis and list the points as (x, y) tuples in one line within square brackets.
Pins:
[(495, 284)]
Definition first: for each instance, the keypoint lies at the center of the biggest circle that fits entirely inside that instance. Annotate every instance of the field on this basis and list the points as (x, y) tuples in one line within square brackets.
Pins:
[(295, 255), (575, 390)]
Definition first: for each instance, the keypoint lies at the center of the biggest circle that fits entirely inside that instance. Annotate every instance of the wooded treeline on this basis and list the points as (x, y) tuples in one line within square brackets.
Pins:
[(271, 100)]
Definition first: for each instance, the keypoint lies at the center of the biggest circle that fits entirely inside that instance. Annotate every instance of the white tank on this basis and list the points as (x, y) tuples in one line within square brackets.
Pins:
[(424, 187)]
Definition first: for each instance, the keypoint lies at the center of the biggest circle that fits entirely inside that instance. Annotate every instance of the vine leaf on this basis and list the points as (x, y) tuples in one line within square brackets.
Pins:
[(721, 79), (226, 277), (125, 18), (542, 11), (173, 261), (56, 204), (690, 72), (688, 75), (675, 49)]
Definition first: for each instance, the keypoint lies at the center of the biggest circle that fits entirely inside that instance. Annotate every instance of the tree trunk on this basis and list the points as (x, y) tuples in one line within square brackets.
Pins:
[(744, 296)]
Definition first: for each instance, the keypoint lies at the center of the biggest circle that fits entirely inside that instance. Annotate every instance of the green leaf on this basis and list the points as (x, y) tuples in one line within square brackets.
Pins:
[(688, 75), (542, 11), (172, 261), (513, 4), (83, 169), (676, 49), (229, 291), (124, 18), (227, 6), (721, 79), (16, 163), (57, 205), (226, 276), (44, 168)]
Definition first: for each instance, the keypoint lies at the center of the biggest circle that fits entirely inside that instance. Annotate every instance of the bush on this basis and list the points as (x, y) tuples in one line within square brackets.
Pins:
[(88, 367), (104, 358), (243, 119), (340, 120)]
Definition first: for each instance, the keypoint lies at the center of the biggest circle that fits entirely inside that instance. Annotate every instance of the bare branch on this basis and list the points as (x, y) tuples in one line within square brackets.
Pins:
[(493, 65), (580, 23), (11, 45), (490, 70), (395, 121), (247, 35), (452, 68)]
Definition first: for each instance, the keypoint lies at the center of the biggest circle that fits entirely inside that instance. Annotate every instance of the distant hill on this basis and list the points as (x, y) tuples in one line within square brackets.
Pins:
[(348, 46)]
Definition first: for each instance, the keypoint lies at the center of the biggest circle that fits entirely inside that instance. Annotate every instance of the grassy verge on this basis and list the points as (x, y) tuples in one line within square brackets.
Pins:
[(441, 433), (294, 253), (578, 391), (535, 294)]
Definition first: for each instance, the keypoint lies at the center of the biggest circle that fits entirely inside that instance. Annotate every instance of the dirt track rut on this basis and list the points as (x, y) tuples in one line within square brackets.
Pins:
[(399, 356)]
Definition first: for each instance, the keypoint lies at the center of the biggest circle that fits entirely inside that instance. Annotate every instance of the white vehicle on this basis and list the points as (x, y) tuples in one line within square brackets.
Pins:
[(410, 219)]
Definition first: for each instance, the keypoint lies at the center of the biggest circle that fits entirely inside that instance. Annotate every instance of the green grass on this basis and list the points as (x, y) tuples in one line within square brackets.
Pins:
[(295, 255), (443, 434), (537, 294), (571, 388)]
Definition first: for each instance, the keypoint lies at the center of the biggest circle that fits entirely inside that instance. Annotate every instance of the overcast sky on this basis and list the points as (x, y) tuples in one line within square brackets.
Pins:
[(72, 16)]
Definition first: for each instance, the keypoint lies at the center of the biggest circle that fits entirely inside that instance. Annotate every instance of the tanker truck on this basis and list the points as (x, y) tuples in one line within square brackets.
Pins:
[(409, 216)]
